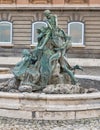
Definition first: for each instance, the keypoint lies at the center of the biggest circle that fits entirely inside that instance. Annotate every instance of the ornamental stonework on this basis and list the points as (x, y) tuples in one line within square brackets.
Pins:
[(76, 1), (40, 1), (7, 1)]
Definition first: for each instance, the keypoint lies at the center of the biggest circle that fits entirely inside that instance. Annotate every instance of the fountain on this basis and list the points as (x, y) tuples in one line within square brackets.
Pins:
[(44, 86)]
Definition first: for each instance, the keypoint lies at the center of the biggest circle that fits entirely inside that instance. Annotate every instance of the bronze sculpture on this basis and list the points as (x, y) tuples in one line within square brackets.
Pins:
[(36, 68)]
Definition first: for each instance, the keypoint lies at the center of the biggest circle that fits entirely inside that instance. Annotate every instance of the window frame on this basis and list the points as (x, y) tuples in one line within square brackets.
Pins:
[(10, 42), (33, 24), (74, 43)]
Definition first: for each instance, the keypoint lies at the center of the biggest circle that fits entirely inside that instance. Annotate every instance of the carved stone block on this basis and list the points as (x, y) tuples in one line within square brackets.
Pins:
[(39, 1), (76, 1), (7, 1)]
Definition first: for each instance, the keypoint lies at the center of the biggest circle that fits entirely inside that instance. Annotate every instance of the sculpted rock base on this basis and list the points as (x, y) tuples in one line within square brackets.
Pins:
[(63, 89), (67, 89), (25, 88)]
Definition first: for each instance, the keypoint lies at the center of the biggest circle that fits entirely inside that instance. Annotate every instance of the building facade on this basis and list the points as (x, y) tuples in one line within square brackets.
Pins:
[(78, 18)]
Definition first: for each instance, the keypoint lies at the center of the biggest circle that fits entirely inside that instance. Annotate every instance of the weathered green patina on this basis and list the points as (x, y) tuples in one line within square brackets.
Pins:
[(37, 66)]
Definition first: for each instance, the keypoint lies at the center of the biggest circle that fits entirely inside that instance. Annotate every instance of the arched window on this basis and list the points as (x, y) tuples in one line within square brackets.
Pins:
[(5, 32), (76, 31), (35, 26)]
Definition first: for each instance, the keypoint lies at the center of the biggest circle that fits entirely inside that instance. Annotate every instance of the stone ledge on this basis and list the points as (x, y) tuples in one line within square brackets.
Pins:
[(88, 77), (84, 62), (6, 76), (9, 60), (50, 6), (76, 108), (72, 61), (42, 96)]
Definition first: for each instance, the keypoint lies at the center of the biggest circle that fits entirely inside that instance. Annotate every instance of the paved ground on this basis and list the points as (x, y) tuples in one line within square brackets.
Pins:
[(19, 124)]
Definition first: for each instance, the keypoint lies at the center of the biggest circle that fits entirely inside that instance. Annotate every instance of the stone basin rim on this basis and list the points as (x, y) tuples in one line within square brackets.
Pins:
[(44, 96), (40, 106)]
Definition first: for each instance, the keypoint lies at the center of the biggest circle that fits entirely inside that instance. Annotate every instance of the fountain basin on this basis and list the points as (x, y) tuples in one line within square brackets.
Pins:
[(86, 81), (40, 106), (89, 81)]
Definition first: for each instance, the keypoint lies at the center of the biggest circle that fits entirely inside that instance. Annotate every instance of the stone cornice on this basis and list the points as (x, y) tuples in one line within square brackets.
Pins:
[(51, 7)]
